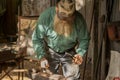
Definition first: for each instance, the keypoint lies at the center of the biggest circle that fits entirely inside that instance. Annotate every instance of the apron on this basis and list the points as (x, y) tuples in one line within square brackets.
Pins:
[(61, 63)]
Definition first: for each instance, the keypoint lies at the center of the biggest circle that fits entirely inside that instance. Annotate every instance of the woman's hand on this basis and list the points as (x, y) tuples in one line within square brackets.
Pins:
[(44, 63), (77, 59)]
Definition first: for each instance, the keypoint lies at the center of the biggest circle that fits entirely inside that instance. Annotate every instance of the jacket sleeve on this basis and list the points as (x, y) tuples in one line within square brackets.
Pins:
[(38, 41), (39, 34), (83, 37)]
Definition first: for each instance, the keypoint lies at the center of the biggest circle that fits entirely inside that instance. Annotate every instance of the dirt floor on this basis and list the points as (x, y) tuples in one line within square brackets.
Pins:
[(29, 65)]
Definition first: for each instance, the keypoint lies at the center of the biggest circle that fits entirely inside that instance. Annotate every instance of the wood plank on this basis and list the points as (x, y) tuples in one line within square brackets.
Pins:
[(20, 70)]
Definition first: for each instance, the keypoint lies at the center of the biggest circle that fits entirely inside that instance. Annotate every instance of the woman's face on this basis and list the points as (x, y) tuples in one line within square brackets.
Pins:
[(66, 8)]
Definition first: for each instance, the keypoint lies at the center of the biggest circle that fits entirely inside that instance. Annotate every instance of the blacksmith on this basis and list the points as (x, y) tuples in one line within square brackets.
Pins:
[(61, 34)]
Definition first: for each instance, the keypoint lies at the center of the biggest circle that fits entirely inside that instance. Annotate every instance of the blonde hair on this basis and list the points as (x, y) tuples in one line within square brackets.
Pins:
[(63, 27)]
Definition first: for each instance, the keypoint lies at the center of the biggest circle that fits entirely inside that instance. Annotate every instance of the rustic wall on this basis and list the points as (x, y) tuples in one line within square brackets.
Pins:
[(34, 7), (116, 11), (114, 69), (10, 20), (2, 11), (87, 13)]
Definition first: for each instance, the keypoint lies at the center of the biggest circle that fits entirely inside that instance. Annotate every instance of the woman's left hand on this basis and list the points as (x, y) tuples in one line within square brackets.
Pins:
[(77, 59)]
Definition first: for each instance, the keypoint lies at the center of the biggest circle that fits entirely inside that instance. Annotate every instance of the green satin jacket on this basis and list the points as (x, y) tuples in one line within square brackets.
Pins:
[(58, 42)]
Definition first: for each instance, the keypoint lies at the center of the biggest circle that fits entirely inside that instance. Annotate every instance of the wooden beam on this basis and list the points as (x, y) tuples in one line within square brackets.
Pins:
[(20, 70), (95, 37)]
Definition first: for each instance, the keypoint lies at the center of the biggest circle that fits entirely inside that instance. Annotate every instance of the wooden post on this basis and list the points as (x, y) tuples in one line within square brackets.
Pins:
[(95, 36)]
